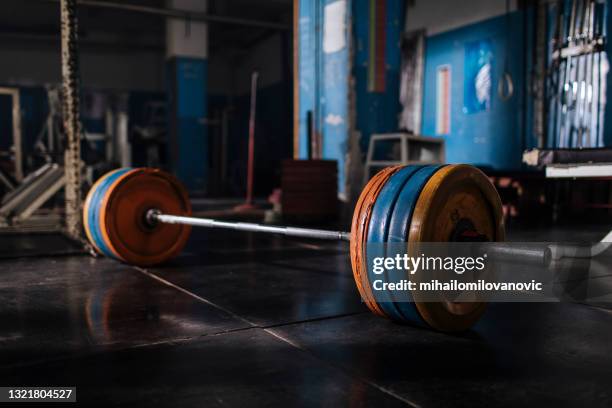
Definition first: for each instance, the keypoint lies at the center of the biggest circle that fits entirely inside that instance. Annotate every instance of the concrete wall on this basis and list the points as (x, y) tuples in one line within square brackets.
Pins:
[(23, 64), (229, 86), (266, 58), (220, 76), (230, 74)]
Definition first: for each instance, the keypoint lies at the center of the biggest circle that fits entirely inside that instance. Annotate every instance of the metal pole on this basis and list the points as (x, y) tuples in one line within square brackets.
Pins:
[(251, 163), (581, 78), (154, 216), (574, 111), (501, 251), (587, 120), (17, 136), (559, 73), (72, 125), (568, 95)]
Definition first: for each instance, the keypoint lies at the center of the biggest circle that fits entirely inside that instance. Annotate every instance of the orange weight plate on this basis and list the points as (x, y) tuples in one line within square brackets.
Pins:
[(359, 229), (123, 217)]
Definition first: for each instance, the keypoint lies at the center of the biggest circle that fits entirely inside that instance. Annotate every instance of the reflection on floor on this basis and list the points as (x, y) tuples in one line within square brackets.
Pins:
[(250, 320)]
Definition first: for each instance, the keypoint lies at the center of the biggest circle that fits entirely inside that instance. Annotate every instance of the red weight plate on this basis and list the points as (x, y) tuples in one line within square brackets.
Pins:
[(123, 216)]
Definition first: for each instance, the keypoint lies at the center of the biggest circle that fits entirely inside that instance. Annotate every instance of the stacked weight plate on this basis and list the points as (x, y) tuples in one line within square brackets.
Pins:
[(416, 204), (114, 216)]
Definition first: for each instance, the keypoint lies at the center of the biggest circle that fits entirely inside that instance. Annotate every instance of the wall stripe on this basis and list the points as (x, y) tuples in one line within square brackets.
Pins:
[(296, 79), (443, 81)]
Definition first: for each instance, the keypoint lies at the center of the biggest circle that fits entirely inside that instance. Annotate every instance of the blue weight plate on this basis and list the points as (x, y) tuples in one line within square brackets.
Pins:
[(378, 229), (399, 226), (87, 208), (90, 204), (94, 211)]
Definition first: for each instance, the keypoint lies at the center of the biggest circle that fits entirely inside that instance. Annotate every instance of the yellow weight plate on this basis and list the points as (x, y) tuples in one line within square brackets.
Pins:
[(455, 193)]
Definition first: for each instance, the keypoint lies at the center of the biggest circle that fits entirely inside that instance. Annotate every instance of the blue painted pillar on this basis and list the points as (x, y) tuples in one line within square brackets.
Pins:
[(187, 52), (323, 76), (327, 68), (377, 32)]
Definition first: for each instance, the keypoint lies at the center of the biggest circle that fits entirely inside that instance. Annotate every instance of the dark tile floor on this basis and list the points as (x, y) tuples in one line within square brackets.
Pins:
[(255, 320)]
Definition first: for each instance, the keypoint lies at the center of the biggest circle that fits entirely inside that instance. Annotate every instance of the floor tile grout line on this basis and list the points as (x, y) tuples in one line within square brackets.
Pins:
[(225, 310), (194, 296), (305, 269), (113, 348), (271, 332), (342, 369), (313, 320), (119, 347)]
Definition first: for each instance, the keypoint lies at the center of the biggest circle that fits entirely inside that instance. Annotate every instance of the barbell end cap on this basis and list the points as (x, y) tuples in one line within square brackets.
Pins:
[(151, 219)]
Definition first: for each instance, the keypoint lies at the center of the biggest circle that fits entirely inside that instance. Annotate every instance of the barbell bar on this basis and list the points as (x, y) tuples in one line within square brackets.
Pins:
[(142, 216), (154, 216)]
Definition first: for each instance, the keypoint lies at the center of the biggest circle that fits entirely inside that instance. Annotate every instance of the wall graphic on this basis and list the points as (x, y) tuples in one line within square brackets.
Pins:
[(477, 71)]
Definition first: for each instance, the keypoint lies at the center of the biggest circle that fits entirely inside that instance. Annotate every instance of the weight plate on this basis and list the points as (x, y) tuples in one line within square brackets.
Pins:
[(399, 225), (87, 208), (106, 194), (359, 227), (94, 209), (377, 234), (452, 194), (123, 217)]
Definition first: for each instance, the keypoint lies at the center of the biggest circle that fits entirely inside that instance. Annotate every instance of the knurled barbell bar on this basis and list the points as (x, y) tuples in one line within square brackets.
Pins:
[(142, 216)]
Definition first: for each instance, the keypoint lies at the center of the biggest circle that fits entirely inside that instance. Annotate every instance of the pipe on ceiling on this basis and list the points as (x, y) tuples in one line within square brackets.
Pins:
[(180, 14)]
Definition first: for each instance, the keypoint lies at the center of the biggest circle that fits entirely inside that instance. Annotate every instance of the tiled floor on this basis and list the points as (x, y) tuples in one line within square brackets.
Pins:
[(255, 320)]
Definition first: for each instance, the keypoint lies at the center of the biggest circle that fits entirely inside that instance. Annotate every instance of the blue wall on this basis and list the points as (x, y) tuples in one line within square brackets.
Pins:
[(495, 137)]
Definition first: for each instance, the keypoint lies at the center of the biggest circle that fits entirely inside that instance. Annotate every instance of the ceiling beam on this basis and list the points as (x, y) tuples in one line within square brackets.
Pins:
[(179, 14)]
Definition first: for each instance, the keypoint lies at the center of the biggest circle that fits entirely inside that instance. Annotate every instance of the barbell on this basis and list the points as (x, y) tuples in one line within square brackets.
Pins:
[(142, 216)]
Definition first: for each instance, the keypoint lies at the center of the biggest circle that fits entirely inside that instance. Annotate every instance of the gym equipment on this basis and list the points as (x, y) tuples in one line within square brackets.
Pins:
[(142, 216), (18, 207), (114, 216), (248, 203), (576, 80)]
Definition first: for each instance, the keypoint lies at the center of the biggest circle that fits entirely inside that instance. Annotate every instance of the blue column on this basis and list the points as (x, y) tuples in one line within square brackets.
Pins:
[(323, 72), (188, 139), (187, 53)]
